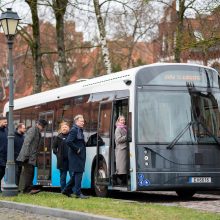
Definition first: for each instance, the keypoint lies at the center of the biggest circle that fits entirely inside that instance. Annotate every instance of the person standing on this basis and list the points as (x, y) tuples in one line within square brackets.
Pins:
[(60, 149), (121, 153), (18, 142), (28, 155), (3, 146), (77, 158)]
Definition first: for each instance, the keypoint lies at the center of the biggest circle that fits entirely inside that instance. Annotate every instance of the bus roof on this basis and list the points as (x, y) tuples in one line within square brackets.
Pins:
[(111, 82)]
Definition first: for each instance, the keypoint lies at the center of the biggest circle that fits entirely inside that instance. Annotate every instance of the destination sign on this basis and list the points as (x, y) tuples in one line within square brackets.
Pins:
[(186, 77)]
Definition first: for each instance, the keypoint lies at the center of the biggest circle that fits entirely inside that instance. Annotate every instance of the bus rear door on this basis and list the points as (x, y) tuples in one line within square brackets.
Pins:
[(44, 156)]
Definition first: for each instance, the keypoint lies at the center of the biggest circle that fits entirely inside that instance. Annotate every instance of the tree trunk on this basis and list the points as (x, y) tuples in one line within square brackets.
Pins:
[(179, 31), (103, 41), (59, 8), (35, 47)]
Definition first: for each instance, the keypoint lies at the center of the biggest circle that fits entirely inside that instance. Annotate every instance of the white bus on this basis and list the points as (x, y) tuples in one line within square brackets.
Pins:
[(172, 111)]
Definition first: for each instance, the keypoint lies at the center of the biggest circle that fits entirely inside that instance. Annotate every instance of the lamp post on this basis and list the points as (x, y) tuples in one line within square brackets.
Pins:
[(9, 21)]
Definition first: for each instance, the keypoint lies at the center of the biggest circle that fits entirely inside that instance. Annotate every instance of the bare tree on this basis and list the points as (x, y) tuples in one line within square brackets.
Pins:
[(35, 45), (131, 24), (102, 33), (59, 8)]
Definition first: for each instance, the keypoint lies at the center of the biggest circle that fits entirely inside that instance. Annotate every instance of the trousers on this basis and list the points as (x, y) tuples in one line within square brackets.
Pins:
[(74, 183), (26, 178)]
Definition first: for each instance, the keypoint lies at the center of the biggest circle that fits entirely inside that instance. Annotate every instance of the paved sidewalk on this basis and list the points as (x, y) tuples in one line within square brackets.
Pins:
[(50, 212), (12, 214)]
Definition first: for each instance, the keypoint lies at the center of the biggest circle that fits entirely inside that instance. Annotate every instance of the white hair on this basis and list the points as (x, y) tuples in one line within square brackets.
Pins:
[(78, 117)]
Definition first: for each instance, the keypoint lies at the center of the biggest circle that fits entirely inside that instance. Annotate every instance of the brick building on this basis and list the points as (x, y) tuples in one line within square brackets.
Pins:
[(201, 39)]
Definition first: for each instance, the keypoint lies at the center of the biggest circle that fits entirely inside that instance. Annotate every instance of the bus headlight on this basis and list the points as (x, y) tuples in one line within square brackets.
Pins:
[(146, 163), (146, 157)]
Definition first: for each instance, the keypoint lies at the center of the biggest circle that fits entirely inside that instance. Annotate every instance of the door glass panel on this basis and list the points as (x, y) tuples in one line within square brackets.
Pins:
[(103, 143), (105, 120), (44, 156)]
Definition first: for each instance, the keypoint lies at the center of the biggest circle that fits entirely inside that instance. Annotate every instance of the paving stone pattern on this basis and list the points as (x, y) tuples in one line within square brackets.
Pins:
[(202, 202)]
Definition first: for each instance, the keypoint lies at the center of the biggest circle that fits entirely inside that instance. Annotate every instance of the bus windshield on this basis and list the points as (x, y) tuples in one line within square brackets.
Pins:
[(163, 115)]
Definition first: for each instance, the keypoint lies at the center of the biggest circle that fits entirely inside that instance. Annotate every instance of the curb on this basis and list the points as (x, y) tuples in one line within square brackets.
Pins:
[(55, 212)]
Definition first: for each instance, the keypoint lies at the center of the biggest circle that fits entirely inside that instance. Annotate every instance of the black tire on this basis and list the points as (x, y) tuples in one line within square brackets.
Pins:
[(185, 194), (100, 190)]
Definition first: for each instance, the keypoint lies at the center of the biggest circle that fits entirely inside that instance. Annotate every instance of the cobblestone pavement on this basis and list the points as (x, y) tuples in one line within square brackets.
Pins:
[(12, 214), (203, 202)]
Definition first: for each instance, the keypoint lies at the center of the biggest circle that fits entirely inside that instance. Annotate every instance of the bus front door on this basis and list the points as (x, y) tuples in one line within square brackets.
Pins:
[(104, 144), (120, 107), (44, 155)]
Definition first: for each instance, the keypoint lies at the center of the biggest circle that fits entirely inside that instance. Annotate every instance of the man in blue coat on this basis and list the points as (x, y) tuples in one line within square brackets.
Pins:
[(77, 158), (3, 146)]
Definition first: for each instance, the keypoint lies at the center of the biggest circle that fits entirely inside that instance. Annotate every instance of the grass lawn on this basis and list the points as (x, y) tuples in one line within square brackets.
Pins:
[(112, 207)]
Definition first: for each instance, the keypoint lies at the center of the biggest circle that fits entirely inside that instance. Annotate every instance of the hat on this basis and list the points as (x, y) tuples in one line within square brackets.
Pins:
[(42, 122)]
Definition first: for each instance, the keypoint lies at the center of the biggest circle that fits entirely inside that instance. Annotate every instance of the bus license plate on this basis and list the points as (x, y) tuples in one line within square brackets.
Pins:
[(200, 179)]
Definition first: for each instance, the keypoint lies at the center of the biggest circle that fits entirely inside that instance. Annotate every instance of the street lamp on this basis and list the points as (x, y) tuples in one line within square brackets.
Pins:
[(9, 21)]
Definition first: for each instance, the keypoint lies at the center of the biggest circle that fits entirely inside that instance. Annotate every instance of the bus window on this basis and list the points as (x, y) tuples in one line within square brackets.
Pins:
[(81, 105), (64, 112), (93, 124)]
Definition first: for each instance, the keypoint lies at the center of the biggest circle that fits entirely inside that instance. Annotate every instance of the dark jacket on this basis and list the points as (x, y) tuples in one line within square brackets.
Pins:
[(3, 145), (29, 150), (77, 149), (61, 150), (18, 142)]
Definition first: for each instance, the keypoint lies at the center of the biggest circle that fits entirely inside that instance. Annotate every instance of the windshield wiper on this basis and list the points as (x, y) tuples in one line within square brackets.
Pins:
[(209, 132), (171, 145)]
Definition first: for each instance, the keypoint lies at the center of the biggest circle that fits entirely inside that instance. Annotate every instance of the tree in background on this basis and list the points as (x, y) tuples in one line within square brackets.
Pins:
[(59, 9), (131, 24), (184, 28), (35, 45), (102, 34)]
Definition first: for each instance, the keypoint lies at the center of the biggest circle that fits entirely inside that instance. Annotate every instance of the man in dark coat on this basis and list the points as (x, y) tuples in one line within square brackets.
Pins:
[(77, 158), (18, 142), (3, 146), (28, 155)]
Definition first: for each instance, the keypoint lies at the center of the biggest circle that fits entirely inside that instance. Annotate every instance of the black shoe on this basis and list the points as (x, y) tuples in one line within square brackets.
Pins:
[(34, 191), (66, 194), (81, 196)]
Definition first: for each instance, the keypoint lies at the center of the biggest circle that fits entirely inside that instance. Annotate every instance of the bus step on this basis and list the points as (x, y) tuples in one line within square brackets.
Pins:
[(103, 181)]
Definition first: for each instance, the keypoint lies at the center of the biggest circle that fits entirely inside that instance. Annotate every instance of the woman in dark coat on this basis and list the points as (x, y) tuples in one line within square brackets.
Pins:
[(61, 150), (121, 153), (77, 158)]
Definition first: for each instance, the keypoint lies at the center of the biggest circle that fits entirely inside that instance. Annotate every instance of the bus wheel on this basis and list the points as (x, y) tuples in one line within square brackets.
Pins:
[(100, 190), (185, 194)]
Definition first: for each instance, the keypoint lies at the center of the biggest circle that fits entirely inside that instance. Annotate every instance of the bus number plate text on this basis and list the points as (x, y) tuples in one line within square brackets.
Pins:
[(200, 179)]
